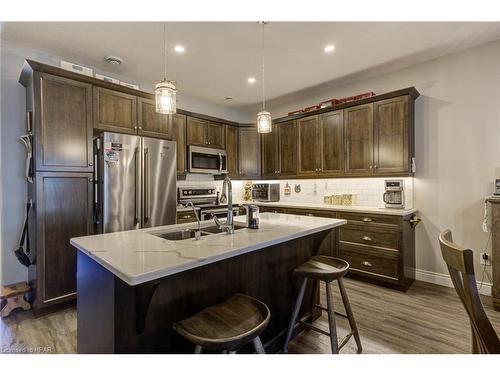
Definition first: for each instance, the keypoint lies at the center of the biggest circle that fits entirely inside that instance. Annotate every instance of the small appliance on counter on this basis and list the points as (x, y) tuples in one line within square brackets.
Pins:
[(497, 187), (252, 216), (266, 192), (394, 194)]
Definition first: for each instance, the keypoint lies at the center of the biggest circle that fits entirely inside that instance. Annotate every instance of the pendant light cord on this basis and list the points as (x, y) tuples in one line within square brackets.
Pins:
[(165, 50), (263, 70)]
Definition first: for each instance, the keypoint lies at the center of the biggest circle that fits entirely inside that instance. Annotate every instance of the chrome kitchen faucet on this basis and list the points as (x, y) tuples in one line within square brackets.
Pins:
[(228, 226)]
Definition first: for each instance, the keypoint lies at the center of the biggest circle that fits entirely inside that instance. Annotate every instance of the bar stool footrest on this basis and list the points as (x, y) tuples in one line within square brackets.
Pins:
[(336, 313), (344, 341)]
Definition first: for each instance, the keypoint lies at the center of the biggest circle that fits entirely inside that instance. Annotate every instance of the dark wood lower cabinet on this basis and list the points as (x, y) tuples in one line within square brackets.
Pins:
[(379, 248), (63, 207)]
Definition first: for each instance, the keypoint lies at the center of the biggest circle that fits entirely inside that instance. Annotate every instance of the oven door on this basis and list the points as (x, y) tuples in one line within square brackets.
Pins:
[(207, 160)]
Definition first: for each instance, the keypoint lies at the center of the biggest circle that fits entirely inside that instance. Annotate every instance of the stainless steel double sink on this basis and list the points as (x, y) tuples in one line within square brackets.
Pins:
[(187, 233)]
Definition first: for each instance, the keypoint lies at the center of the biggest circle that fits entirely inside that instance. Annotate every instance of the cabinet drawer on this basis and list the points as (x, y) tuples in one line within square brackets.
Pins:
[(276, 210), (185, 217), (372, 262), (370, 236), (370, 219), (316, 213)]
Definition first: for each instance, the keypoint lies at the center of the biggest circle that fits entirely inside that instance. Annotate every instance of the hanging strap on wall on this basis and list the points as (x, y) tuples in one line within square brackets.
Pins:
[(23, 251)]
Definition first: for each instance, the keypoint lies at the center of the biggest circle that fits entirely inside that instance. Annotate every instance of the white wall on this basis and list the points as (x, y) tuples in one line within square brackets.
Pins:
[(13, 184), (457, 142)]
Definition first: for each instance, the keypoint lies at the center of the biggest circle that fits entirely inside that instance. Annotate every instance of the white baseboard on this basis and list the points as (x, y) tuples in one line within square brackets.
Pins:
[(445, 280)]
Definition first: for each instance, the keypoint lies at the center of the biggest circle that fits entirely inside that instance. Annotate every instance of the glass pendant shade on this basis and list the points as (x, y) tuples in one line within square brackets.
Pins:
[(264, 122), (166, 97)]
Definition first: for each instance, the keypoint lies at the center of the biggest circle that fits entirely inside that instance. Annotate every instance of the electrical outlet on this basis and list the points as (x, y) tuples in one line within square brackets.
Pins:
[(485, 258)]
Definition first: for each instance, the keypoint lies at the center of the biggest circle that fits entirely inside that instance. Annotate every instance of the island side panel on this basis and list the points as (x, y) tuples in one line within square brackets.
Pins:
[(265, 274), (95, 307)]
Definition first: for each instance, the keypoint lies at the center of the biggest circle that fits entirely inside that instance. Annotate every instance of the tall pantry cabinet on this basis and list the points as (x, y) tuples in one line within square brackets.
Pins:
[(59, 111)]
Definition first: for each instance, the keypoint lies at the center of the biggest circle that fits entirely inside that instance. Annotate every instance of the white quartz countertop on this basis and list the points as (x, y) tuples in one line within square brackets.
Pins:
[(329, 207), (138, 256)]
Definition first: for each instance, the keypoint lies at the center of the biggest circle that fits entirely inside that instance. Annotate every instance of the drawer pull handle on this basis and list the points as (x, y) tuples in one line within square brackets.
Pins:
[(186, 217), (366, 238), (366, 263), (310, 215), (367, 220)]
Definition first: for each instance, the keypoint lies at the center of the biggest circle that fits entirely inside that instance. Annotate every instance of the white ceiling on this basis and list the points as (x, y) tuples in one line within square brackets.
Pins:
[(221, 56)]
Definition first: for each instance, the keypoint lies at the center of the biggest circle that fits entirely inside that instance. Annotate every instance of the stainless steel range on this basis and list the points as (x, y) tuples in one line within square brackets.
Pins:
[(206, 198)]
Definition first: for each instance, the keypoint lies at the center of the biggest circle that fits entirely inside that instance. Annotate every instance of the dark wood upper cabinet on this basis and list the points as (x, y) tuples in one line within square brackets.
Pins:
[(196, 131), (115, 111), (64, 210), (216, 135), (270, 152), (232, 150), (178, 133), (391, 136), (358, 130), (287, 142), (63, 124), (309, 151), (149, 122), (332, 143), (249, 150), (205, 133)]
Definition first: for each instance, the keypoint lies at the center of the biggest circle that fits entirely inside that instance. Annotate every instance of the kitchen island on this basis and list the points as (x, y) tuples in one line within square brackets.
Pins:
[(132, 285)]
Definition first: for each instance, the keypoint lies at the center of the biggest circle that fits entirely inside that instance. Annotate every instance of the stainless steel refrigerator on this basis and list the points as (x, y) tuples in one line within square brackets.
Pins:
[(135, 182)]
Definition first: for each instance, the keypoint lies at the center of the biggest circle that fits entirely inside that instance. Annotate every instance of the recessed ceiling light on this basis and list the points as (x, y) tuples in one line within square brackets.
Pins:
[(228, 98), (329, 48), (251, 80), (179, 49)]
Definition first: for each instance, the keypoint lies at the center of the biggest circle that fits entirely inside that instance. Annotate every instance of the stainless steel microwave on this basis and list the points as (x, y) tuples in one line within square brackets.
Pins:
[(207, 160)]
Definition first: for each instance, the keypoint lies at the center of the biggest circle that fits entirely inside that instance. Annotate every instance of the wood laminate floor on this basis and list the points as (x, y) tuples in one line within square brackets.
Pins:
[(426, 319)]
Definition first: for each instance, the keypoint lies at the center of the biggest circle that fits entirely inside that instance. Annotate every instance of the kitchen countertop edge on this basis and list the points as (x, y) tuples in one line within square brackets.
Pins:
[(157, 274)]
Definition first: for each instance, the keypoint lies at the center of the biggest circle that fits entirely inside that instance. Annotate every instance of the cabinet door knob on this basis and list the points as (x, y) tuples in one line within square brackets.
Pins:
[(371, 166), (140, 127), (91, 179), (375, 166), (91, 164), (366, 238), (367, 220), (366, 263)]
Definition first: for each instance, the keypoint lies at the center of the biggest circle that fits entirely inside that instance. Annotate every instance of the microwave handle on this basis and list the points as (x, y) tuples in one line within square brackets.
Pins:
[(220, 162)]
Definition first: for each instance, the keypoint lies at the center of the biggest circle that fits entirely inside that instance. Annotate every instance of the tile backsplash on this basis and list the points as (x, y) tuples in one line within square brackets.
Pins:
[(369, 191)]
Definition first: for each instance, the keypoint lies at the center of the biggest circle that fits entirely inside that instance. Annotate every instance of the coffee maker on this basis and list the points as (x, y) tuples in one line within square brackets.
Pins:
[(394, 196)]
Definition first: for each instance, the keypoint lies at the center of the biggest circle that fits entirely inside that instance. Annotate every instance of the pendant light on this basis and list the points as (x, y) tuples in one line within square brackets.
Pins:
[(165, 91), (263, 117)]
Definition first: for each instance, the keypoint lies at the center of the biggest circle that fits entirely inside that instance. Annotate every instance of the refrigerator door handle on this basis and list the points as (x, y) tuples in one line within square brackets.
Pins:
[(147, 196), (137, 202)]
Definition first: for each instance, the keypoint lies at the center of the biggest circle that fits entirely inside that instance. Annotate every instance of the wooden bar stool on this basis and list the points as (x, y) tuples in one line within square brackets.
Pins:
[(327, 269), (227, 326)]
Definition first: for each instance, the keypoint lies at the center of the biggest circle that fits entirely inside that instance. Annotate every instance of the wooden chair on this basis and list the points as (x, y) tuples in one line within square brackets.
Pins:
[(461, 268)]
